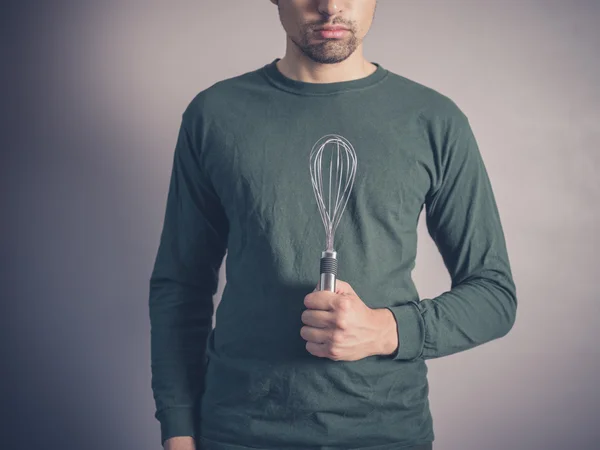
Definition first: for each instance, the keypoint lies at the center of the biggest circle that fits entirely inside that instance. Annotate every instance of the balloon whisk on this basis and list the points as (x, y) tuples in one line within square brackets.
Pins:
[(331, 195)]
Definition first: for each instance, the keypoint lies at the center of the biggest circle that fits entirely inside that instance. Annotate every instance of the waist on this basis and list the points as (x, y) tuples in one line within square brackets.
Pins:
[(209, 444), (314, 402)]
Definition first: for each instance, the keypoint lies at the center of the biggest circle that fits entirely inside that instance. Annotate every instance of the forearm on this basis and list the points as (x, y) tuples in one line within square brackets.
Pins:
[(473, 313), (470, 314), (181, 320)]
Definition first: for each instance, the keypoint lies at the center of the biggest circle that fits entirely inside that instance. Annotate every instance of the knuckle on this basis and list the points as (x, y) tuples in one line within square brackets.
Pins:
[(343, 303), (336, 338), (341, 323)]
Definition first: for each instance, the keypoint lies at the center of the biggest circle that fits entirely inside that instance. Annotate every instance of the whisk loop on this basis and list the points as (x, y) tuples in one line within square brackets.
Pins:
[(342, 171)]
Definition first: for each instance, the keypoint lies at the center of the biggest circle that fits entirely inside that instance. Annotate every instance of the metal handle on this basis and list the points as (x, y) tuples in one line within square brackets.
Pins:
[(328, 271)]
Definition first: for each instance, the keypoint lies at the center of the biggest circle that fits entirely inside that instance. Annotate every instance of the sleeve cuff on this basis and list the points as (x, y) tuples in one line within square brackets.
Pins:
[(411, 331), (176, 421)]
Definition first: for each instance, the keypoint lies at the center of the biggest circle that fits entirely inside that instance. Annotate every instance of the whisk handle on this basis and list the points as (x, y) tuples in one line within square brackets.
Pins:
[(328, 271)]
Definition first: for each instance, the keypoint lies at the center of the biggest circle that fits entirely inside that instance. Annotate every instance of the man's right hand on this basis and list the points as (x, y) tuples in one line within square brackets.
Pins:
[(180, 443)]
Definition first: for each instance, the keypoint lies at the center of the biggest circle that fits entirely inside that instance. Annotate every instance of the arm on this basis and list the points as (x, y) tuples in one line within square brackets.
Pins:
[(463, 220), (182, 284)]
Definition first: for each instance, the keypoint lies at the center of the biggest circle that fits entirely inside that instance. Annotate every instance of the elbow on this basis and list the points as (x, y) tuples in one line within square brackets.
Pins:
[(510, 310), (504, 296)]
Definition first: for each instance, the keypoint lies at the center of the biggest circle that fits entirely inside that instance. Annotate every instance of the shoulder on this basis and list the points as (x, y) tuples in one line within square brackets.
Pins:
[(431, 105), (218, 98)]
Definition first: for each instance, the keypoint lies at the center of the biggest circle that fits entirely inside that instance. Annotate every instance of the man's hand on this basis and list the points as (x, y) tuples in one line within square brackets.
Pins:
[(180, 443), (339, 326)]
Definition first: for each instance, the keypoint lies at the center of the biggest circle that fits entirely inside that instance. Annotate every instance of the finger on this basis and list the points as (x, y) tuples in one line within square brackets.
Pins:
[(321, 300), (312, 334), (318, 318), (316, 349), (342, 287)]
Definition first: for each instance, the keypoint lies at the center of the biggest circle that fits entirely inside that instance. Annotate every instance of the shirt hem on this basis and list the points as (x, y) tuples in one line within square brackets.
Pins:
[(209, 444)]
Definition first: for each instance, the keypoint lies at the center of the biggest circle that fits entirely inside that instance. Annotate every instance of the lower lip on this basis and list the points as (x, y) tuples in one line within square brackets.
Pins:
[(335, 34)]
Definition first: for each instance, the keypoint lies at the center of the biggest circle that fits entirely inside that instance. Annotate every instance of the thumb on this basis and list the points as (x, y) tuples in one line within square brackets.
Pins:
[(341, 287)]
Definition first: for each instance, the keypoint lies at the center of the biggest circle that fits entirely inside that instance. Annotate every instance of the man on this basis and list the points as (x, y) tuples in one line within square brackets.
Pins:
[(287, 365)]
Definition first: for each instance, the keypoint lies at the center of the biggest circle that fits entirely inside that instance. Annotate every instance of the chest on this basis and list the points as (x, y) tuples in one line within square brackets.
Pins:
[(260, 167)]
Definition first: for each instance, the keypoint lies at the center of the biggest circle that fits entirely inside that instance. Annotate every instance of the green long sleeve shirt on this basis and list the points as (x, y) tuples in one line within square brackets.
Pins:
[(240, 183)]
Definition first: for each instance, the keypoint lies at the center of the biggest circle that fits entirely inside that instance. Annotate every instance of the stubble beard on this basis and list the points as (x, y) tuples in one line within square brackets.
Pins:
[(327, 51)]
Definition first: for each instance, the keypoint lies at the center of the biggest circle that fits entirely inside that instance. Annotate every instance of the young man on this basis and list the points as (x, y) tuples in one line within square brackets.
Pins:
[(288, 366)]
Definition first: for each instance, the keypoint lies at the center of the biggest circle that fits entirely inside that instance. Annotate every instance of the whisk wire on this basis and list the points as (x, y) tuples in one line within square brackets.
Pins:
[(345, 169)]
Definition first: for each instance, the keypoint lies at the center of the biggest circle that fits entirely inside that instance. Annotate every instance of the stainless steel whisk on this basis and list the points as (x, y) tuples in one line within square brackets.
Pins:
[(342, 171)]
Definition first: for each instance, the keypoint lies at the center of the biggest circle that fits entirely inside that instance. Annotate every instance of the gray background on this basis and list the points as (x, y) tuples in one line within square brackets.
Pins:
[(93, 95)]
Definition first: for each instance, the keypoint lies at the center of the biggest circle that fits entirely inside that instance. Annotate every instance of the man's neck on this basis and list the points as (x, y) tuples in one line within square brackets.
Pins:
[(301, 68)]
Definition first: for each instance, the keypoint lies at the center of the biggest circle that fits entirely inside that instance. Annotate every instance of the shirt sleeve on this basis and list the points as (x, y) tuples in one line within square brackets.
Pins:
[(463, 220), (182, 285)]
